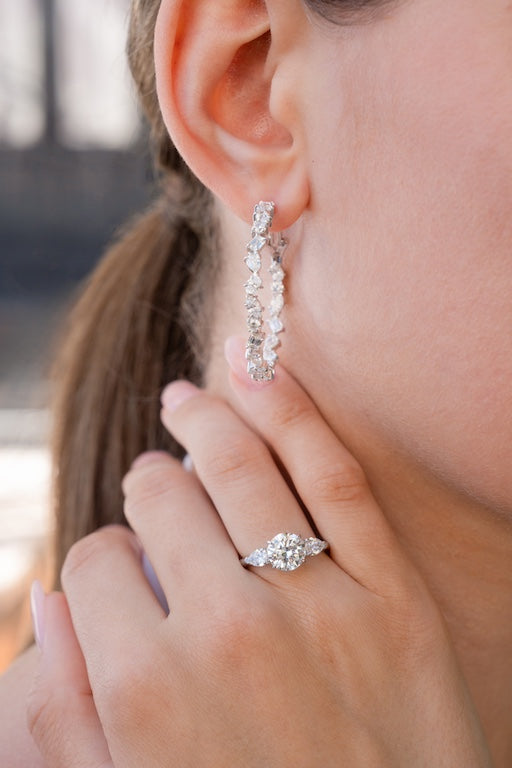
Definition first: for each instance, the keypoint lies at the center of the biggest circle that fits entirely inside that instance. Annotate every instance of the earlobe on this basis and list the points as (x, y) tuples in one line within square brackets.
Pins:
[(216, 72)]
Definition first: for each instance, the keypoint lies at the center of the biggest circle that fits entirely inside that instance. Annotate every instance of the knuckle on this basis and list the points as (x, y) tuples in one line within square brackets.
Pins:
[(153, 483), (127, 693), (290, 413), (341, 483), (44, 714), (85, 552), (122, 686), (415, 628), (82, 554), (240, 632), (236, 459)]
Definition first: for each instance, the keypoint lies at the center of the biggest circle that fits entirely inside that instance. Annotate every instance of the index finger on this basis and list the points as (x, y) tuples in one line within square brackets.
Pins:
[(328, 479)]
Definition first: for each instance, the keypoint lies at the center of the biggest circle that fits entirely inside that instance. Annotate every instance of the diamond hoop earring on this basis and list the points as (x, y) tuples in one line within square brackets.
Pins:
[(261, 347)]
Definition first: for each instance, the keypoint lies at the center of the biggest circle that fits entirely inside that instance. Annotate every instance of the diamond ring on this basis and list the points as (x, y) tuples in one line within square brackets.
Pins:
[(286, 551)]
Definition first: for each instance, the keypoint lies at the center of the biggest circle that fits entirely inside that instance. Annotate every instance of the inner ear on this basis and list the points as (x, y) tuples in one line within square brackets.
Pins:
[(240, 103)]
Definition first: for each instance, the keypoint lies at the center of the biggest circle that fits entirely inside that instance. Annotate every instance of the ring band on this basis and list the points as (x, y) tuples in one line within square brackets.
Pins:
[(286, 551)]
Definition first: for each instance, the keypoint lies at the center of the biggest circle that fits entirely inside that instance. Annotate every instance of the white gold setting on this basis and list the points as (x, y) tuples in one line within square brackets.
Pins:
[(261, 347), (286, 551)]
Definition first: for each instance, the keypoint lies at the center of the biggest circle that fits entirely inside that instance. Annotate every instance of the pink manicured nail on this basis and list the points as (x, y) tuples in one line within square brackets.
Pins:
[(155, 585), (234, 352), (176, 393), (37, 598), (187, 463)]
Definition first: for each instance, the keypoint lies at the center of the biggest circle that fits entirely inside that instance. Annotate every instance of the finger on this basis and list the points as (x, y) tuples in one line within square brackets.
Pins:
[(111, 602), (236, 469), (61, 714), (179, 529), (328, 479)]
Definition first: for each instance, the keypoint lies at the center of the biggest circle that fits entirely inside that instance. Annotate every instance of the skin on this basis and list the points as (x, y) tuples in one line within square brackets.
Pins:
[(208, 685), (409, 359)]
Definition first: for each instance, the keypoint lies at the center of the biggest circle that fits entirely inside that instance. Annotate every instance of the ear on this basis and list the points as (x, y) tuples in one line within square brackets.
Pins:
[(227, 99)]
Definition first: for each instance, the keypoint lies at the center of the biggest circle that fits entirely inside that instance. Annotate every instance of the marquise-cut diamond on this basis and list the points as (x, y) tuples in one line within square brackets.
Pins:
[(258, 557), (286, 551), (275, 324), (277, 303), (253, 261), (314, 546), (254, 281)]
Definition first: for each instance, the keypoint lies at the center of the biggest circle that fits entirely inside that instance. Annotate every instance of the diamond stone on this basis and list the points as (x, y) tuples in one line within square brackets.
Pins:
[(272, 341), (251, 302), (254, 281), (314, 546), (256, 243), (253, 261), (260, 226), (255, 340), (275, 324), (276, 271), (286, 551), (270, 356), (277, 303), (258, 557)]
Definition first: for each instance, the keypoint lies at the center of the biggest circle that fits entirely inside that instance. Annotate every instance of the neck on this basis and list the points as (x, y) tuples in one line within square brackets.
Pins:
[(464, 552), (462, 549)]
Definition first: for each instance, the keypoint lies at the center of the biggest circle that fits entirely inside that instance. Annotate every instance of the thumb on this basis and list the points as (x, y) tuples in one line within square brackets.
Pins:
[(61, 714)]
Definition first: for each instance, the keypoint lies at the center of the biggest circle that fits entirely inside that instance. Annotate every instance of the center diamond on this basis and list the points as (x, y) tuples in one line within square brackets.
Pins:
[(286, 551)]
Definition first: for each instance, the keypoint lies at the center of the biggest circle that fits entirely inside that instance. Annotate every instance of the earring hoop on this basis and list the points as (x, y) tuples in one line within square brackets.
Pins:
[(261, 347)]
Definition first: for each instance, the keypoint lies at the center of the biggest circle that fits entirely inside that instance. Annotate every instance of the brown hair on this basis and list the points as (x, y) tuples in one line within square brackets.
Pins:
[(141, 321), (135, 327)]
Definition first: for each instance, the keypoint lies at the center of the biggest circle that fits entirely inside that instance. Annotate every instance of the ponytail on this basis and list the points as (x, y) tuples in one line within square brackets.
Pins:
[(129, 334), (141, 322)]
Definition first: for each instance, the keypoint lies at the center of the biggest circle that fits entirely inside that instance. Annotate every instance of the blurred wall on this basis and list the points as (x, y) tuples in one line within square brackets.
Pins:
[(73, 167)]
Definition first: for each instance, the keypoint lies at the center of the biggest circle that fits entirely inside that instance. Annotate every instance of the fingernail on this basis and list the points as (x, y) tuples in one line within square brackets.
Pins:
[(234, 352), (149, 457), (155, 585), (187, 463), (176, 393), (37, 598)]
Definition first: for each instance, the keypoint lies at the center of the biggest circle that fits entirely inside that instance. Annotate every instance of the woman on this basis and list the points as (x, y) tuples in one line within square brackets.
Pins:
[(381, 132)]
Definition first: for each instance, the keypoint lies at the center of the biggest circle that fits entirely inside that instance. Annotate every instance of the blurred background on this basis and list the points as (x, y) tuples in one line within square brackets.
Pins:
[(73, 167)]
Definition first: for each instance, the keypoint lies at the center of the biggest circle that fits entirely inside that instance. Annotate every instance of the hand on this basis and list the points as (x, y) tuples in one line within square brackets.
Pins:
[(17, 749), (345, 661)]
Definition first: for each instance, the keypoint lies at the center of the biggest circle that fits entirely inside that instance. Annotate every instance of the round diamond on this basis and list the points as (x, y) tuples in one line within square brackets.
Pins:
[(286, 551)]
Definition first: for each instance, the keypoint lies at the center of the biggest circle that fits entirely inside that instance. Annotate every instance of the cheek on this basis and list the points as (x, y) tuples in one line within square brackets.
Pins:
[(417, 222)]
